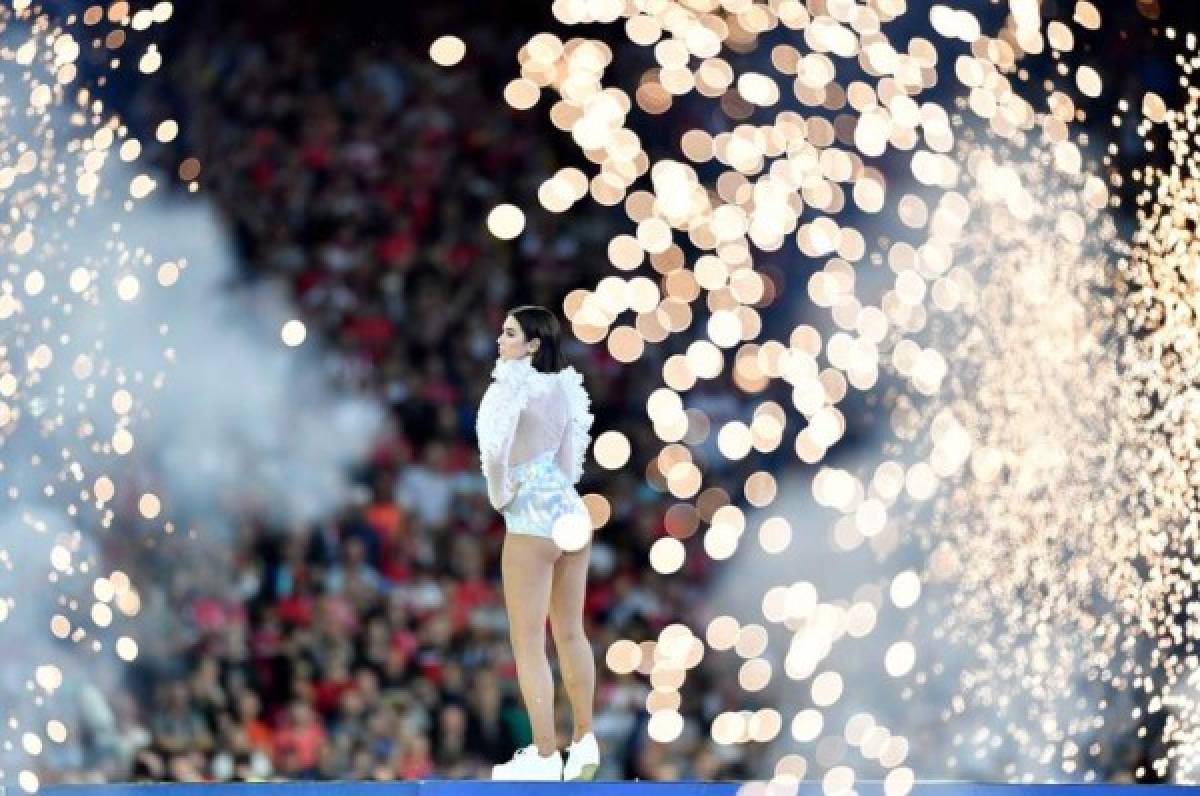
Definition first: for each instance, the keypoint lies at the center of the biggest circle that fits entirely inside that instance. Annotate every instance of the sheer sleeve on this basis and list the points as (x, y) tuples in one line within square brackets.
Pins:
[(495, 427), (573, 448)]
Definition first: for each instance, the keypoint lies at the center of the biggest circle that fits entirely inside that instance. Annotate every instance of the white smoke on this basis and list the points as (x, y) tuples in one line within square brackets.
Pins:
[(224, 418)]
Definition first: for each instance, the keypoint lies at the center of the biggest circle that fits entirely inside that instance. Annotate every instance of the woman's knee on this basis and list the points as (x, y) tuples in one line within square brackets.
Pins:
[(526, 636), (567, 630)]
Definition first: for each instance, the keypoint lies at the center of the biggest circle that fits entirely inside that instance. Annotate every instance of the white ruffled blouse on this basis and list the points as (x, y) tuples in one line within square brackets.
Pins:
[(523, 414)]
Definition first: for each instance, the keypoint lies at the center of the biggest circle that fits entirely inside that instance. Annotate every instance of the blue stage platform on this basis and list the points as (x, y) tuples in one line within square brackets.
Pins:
[(597, 788)]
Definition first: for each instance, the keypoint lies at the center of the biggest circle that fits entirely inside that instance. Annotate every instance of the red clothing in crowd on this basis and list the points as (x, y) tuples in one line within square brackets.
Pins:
[(211, 614), (468, 596), (396, 250), (303, 743), (372, 333), (415, 765), (328, 694), (260, 735), (296, 609)]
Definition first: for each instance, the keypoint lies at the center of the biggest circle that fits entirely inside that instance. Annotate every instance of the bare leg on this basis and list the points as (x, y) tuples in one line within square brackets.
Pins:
[(575, 657), (526, 564)]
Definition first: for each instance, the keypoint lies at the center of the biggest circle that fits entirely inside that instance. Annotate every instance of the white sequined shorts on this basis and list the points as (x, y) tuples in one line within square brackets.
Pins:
[(544, 494)]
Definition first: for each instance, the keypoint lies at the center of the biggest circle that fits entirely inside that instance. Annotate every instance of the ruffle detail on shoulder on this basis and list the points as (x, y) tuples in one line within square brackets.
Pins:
[(579, 418), (511, 370)]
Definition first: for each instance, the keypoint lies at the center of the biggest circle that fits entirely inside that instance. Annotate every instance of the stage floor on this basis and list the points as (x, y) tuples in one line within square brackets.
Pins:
[(596, 788)]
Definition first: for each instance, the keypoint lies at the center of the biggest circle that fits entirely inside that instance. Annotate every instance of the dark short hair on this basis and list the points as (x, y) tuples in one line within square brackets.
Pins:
[(539, 323)]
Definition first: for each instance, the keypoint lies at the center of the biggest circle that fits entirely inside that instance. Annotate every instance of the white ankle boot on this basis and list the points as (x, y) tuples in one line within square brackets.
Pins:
[(583, 758), (529, 766)]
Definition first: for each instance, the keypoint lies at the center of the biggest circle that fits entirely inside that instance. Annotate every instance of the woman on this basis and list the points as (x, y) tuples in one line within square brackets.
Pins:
[(533, 426)]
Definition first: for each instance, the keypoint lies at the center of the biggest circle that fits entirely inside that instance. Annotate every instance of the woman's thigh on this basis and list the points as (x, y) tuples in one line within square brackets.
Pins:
[(568, 592), (527, 567)]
